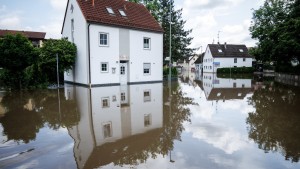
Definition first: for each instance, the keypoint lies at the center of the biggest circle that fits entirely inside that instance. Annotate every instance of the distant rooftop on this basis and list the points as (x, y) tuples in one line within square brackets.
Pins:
[(229, 50), (28, 34)]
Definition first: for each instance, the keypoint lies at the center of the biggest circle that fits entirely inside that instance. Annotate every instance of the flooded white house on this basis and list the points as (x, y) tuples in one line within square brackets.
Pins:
[(118, 42)]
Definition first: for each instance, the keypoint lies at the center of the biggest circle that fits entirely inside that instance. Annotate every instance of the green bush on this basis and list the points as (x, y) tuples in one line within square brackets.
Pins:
[(236, 70)]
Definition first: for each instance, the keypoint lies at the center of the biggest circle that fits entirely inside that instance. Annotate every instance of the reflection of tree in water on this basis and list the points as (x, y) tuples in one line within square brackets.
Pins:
[(275, 124), (27, 111), (162, 140)]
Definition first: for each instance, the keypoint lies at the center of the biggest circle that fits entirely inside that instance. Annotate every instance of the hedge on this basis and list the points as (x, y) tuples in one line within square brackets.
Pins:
[(236, 70)]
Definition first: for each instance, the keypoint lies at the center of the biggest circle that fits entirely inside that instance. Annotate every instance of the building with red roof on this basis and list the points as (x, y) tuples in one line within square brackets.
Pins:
[(118, 42)]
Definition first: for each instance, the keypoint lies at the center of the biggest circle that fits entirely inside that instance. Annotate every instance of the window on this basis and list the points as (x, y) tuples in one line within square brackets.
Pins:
[(123, 97), (241, 50), (114, 98), (107, 130), (72, 30), (104, 67), (105, 102), (68, 72), (235, 60), (220, 50), (243, 86), (72, 8), (147, 96), (103, 39), (147, 68), (146, 43), (234, 85), (244, 59), (122, 70), (110, 10), (147, 120), (122, 12)]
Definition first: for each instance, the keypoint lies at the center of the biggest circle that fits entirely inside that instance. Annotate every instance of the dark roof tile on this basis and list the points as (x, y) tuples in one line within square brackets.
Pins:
[(229, 50)]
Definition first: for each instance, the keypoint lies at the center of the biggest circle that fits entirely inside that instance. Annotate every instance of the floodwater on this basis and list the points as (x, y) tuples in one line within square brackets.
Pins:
[(199, 121)]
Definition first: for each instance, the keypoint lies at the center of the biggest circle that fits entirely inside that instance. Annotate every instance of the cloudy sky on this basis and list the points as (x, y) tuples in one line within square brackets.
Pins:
[(206, 17)]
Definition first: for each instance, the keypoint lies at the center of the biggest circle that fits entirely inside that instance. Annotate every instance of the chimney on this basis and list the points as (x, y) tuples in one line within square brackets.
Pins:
[(225, 45)]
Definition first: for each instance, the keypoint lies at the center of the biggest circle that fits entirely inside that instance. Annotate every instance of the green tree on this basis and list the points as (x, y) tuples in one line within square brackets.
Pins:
[(179, 37), (66, 52), (274, 125), (276, 26), (16, 54)]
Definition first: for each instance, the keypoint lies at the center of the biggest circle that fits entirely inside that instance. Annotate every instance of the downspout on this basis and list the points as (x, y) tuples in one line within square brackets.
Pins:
[(89, 55)]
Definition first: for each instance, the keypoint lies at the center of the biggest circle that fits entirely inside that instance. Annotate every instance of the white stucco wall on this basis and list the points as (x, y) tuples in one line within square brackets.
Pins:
[(80, 73), (82, 132), (140, 108), (139, 55), (104, 115), (108, 54)]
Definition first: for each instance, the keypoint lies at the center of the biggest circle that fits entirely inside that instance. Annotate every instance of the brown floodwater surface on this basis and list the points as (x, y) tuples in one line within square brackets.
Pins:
[(208, 122)]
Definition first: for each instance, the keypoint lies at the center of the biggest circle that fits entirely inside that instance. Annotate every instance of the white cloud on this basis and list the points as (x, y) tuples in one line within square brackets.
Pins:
[(58, 4), (220, 137), (9, 19), (10, 22), (52, 29)]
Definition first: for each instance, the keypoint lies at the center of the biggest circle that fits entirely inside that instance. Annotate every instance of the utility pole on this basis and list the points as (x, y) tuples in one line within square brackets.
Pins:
[(170, 41)]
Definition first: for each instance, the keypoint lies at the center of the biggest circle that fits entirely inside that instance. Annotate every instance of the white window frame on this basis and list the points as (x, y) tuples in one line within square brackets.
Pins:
[(144, 68), (102, 101), (149, 43), (122, 12), (110, 133), (107, 39), (220, 50), (235, 60), (241, 50), (72, 30), (147, 120), (107, 67), (147, 98), (110, 10)]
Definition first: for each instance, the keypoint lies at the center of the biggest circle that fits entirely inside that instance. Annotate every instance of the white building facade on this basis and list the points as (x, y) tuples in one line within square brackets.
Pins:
[(225, 56), (114, 45)]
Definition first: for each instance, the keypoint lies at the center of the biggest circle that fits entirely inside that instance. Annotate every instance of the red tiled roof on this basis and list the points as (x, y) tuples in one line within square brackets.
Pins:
[(138, 17), (28, 34)]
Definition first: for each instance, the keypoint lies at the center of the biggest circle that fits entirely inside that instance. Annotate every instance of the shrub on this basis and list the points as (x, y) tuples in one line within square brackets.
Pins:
[(236, 70)]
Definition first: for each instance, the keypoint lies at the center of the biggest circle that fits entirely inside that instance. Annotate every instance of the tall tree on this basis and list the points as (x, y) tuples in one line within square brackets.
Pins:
[(276, 26), (180, 39)]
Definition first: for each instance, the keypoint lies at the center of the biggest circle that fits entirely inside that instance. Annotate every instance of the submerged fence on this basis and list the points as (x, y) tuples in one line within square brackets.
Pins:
[(293, 80)]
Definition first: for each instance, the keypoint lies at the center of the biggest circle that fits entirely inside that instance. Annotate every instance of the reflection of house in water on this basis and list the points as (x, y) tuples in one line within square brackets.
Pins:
[(115, 121), (224, 89)]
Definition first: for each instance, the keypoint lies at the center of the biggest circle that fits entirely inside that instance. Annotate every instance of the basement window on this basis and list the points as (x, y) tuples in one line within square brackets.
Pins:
[(110, 10), (122, 12)]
